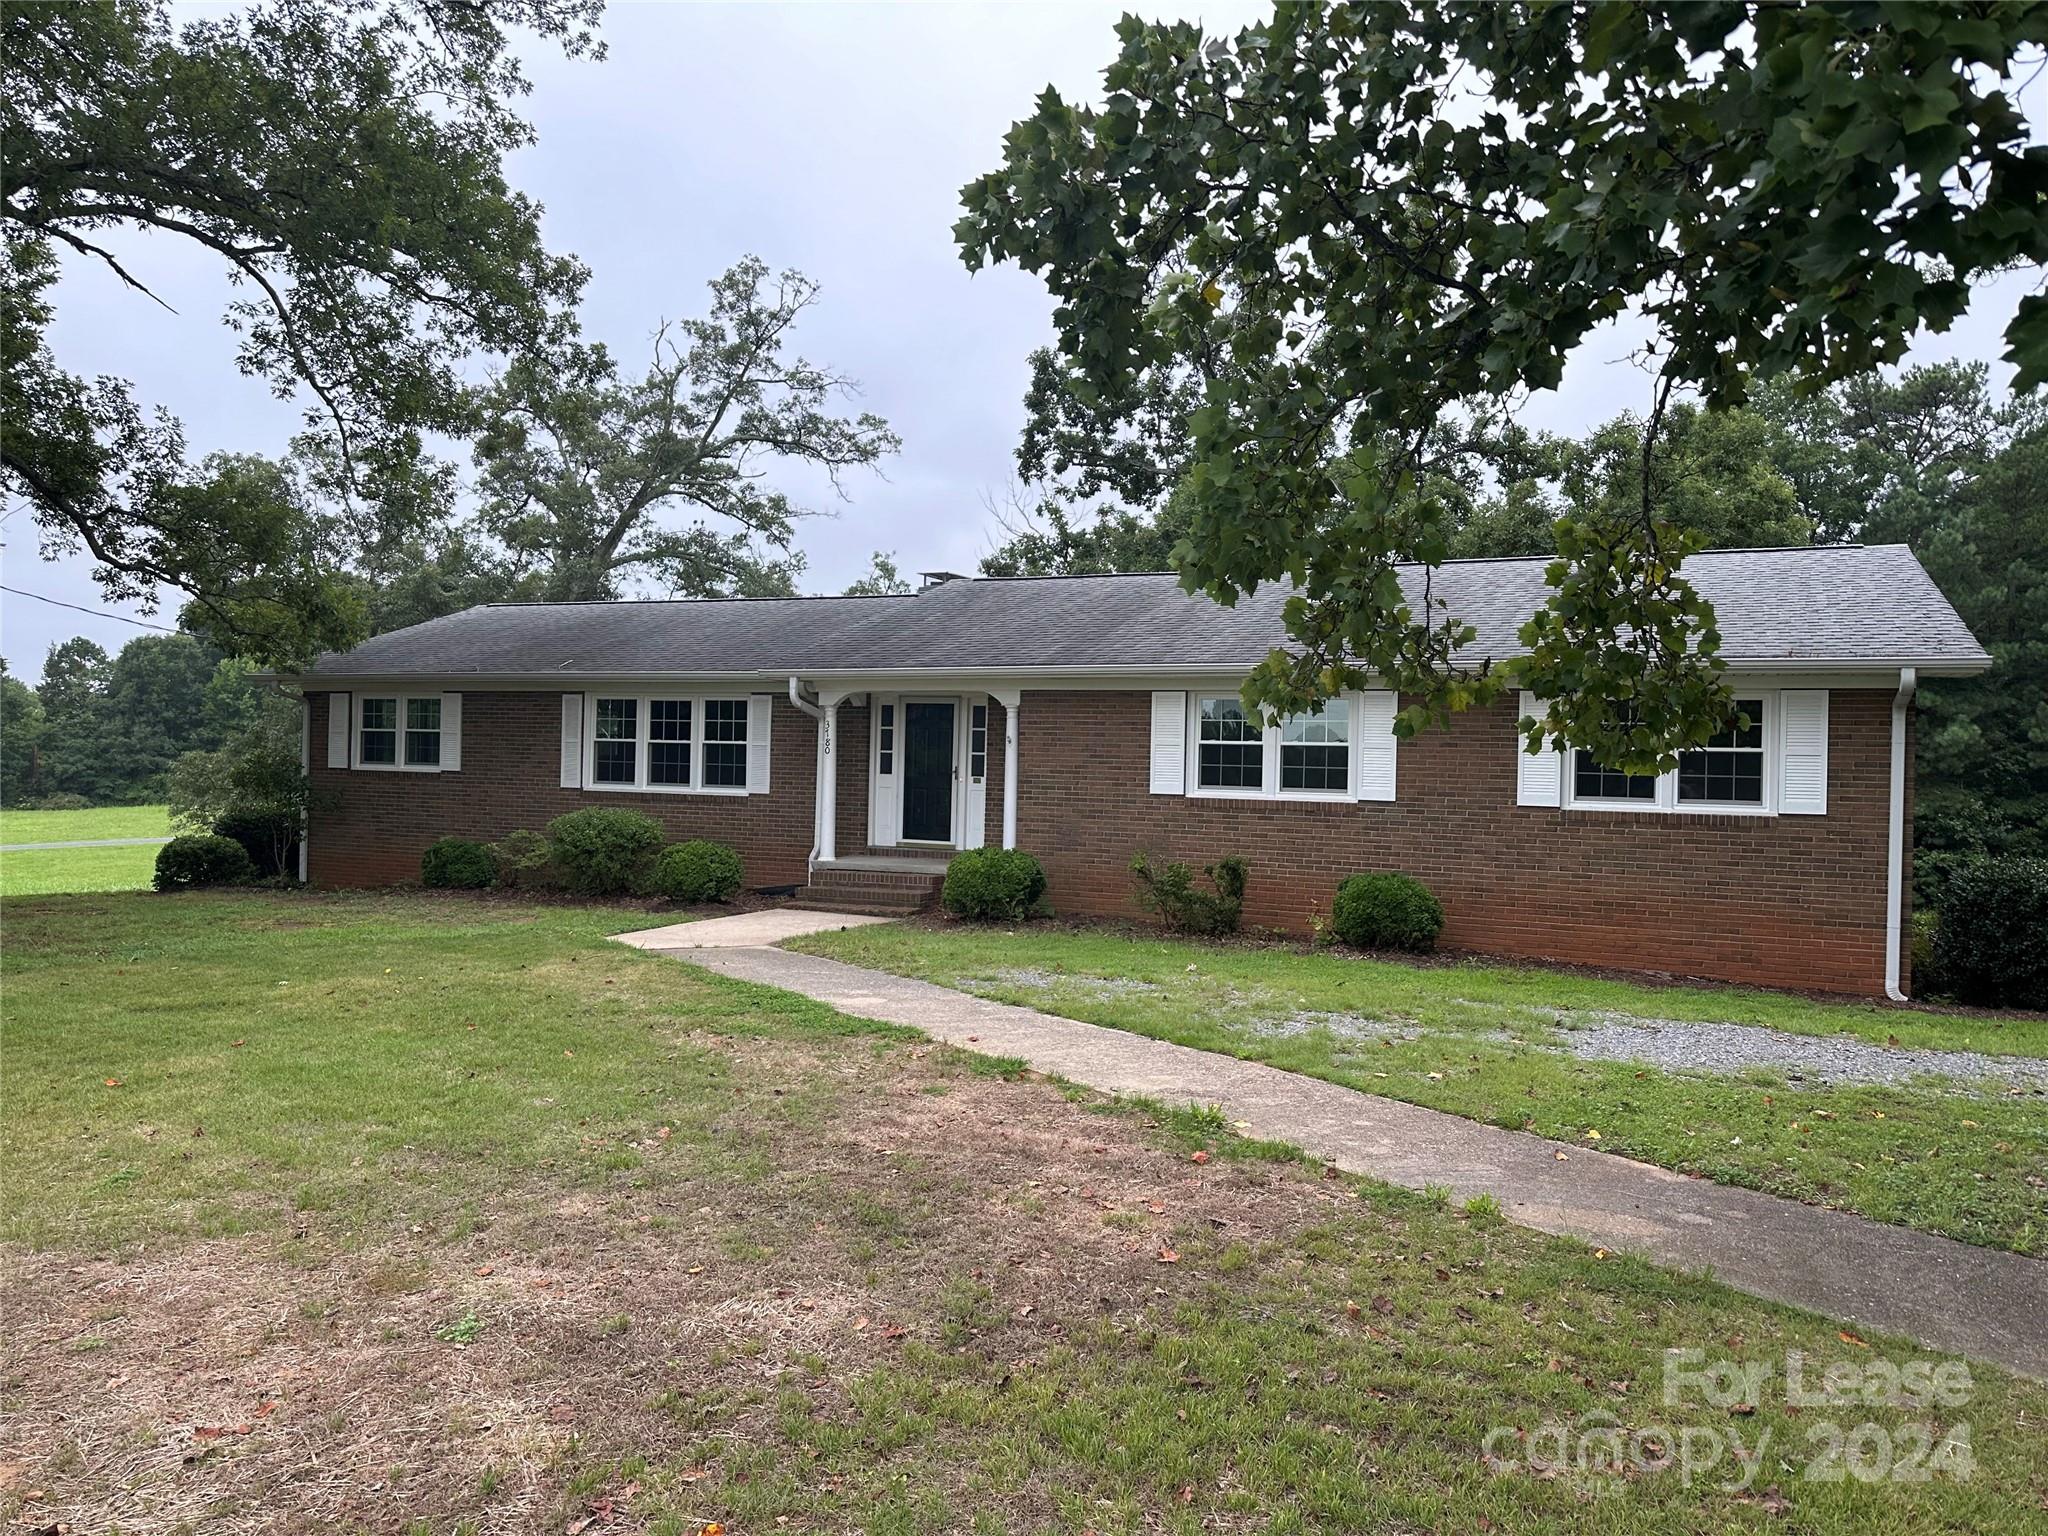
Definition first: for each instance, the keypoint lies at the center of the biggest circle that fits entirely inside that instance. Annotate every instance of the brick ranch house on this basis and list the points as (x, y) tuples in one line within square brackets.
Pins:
[(847, 745)]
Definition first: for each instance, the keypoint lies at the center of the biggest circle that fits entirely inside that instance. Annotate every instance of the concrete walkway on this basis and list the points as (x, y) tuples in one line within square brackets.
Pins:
[(1947, 1295), (89, 842)]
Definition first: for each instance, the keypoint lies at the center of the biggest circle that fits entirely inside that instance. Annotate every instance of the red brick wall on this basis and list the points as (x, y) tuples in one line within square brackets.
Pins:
[(380, 823), (1790, 900), (1786, 900)]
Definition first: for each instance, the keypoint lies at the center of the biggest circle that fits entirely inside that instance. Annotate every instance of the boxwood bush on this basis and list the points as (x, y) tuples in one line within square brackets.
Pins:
[(185, 863), (1387, 911), (698, 871), (1991, 941), (993, 885), (457, 864), (604, 852)]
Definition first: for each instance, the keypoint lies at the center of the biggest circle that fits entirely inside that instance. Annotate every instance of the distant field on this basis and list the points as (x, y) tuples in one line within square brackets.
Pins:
[(78, 826), (50, 871), (59, 871)]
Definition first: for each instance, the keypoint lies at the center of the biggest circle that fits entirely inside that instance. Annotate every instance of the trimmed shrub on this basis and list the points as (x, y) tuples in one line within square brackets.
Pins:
[(1991, 943), (457, 864), (1171, 893), (522, 858), (270, 838), (991, 885), (698, 871), (64, 801), (185, 863), (603, 852), (1386, 911)]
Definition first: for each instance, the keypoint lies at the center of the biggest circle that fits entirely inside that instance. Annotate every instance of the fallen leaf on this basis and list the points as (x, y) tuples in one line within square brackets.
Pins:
[(1591, 1134), (1200, 1157), (1168, 1256), (113, 1082), (1849, 1338), (1384, 1305), (485, 1269)]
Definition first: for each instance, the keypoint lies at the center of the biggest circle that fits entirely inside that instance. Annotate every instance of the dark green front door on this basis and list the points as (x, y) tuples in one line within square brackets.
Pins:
[(927, 772)]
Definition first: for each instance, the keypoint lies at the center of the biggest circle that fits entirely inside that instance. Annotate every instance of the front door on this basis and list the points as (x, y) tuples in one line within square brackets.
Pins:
[(927, 772)]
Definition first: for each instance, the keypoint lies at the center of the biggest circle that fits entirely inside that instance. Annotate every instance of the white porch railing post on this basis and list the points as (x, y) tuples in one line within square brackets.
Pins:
[(1010, 709), (828, 782)]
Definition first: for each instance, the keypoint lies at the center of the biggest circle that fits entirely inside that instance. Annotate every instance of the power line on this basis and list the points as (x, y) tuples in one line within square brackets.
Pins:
[(98, 613)]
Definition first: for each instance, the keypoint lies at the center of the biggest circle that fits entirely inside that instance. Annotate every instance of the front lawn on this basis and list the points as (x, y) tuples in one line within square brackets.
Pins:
[(401, 1213), (1959, 1159)]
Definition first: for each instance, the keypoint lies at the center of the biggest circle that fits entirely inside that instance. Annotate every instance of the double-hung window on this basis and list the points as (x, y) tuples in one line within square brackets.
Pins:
[(399, 732), (1732, 772), (1729, 769), (668, 743), (1315, 750), (1230, 746), (615, 756), (725, 743)]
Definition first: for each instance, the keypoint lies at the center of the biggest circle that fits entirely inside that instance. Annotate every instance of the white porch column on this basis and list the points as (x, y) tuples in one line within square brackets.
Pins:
[(828, 781), (1011, 700)]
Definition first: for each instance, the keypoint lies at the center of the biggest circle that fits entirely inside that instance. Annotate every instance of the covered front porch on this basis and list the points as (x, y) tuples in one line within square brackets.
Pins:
[(910, 775)]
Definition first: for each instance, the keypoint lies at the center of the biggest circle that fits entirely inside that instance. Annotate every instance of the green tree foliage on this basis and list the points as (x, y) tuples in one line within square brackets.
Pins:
[(344, 165), (109, 728), (1717, 475), (583, 474), (1315, 218), (882, 579), (21, 740), (1053, 540), (252, 782)]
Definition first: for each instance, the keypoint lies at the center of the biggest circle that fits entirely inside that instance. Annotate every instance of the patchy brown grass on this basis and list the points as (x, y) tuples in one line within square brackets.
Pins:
[(228, 1383)]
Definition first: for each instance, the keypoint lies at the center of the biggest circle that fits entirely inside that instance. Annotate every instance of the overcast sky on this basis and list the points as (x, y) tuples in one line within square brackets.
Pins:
[(830, 138)]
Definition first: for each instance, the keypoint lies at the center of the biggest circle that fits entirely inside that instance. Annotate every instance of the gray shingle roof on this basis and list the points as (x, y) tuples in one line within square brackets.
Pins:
[(1831, 606)]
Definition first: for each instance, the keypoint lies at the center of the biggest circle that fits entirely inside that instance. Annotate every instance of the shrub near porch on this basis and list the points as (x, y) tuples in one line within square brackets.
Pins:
[(1957, 1159)]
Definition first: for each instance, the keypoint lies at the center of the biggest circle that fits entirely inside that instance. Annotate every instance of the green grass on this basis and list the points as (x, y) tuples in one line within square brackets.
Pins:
[(1955, 1163), (275, 1055), (55, 871), (376, 1075), (77, 826)]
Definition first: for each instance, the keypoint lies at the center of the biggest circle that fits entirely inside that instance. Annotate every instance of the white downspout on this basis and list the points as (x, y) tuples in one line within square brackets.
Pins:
[(823, 785), (1895, 864)]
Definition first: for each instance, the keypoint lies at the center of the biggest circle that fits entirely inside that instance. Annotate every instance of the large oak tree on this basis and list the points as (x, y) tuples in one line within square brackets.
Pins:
[(343, 163), (1357, 222)]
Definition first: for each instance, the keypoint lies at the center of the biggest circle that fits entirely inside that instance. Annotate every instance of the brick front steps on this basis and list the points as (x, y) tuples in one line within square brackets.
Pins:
[(883, 885)]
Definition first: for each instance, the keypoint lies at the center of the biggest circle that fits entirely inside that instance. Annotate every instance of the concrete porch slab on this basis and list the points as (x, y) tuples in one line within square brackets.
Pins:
[(744, 929)]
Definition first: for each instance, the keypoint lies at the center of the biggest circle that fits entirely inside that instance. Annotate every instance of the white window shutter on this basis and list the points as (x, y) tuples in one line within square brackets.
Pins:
[(1169, 743), (572, 741), (1803, 752), (451, 733), (760, 727), (1539, 776), (340, 721), (1375, 745)]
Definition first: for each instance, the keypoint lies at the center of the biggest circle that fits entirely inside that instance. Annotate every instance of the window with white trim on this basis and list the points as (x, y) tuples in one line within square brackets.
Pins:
[(1732, 773), (615, 754), (399, 731), (1729, 769), (725, 743), (1315, 750), (977, 742), (669, 743), (1230, 746)]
